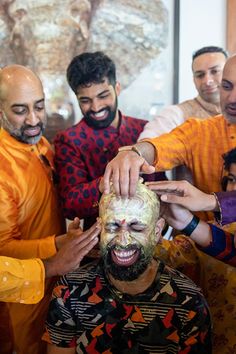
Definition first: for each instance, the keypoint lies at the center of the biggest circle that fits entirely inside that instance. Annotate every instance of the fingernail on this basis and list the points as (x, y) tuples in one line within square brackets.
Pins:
[(164, 197)]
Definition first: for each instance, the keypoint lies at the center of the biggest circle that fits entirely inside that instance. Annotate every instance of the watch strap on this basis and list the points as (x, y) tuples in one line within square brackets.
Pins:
[(188, 230)]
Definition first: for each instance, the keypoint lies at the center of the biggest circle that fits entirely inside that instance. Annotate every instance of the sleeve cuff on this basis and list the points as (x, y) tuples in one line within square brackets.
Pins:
[(34, 285), (218, 214), (47, 247)]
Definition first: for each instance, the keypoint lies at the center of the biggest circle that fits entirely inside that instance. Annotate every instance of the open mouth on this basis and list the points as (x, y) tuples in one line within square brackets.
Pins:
[(100, 115), (231, 110), (32, 131), (125, 257)]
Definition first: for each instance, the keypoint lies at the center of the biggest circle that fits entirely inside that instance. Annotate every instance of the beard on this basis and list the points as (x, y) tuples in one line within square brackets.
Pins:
[(101, 124), (229, 112), (19, 133), (131, 272)]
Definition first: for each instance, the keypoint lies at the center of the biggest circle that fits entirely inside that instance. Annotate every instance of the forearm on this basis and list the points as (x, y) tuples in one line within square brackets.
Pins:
[(202, 235), (147, 150), (221, 245), (23, 249)]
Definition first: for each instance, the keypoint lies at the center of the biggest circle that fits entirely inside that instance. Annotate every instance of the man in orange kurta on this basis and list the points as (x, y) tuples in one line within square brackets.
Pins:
[(198, 144), (30, 218)]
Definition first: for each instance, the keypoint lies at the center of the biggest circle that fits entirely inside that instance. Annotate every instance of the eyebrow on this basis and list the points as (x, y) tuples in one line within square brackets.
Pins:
[(212, 67), (225, 80), (99, 94), (25, 104)]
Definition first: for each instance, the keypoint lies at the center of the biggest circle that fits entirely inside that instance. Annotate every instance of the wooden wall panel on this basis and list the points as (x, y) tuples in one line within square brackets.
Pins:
[(231, 26)]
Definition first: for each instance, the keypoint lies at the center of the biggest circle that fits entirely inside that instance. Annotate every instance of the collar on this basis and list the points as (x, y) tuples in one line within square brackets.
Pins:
[(149, 293), (213, 109), (8, 141)]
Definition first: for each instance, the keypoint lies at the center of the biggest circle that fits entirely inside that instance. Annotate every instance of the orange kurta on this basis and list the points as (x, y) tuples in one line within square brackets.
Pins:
[(29, 220), (198, 144)]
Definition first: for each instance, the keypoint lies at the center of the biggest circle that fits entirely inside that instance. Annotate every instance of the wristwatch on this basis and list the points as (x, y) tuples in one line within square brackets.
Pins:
[(130, 148)]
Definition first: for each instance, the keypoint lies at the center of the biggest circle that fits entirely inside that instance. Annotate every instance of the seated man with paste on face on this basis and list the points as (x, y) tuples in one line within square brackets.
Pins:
[(128, 301)]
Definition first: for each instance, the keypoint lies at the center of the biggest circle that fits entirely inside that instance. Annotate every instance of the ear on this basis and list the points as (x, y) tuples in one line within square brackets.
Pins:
[(117, 88), (158, 229)]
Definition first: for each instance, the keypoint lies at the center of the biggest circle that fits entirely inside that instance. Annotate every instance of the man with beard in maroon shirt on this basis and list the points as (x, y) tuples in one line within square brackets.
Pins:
[(83, 150)]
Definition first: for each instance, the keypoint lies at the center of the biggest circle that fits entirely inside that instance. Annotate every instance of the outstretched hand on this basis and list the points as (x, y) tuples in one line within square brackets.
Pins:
[(185, 194), (75, 248)]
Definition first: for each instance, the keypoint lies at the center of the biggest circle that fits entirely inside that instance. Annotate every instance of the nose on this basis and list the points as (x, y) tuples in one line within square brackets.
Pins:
[(124, 238), (208, 79), (32, 119), (95, 105), (232, 187)]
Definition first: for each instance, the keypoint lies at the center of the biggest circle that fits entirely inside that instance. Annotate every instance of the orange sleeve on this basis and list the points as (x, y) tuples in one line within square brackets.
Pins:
[(174, 148), (21, 280), (11, 243)]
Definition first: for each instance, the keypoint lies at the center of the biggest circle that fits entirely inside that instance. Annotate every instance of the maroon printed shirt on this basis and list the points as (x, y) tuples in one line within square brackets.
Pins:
[(81, 156)]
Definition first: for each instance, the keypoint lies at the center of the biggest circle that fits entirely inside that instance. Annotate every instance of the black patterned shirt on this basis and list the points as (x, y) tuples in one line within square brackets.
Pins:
[(87, 313)]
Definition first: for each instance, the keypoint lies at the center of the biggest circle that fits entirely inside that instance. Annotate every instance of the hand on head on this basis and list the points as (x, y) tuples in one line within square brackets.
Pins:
[(124, 172), (185, 194)]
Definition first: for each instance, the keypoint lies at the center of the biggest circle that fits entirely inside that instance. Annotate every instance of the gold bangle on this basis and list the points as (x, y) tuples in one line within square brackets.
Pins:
[(130, 148)]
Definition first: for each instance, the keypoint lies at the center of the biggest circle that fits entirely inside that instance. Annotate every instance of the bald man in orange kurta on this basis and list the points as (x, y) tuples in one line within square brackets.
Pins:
[(30, 218)]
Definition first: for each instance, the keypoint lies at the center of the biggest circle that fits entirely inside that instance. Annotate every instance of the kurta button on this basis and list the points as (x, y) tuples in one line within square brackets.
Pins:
[(232, 137)]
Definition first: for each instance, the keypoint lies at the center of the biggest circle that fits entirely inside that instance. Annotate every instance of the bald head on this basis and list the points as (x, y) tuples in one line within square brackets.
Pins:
[(231, 61), (228, 90), (22, 110), (144, 203), (14, 77)]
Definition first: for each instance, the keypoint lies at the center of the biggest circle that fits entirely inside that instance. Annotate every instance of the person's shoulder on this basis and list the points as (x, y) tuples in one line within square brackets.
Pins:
[(188, 102), (180, 283), (211, 121), (134, 120)]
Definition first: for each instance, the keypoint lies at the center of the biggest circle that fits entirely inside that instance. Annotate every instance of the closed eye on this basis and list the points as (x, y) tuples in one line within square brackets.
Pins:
[(39, 108), (137, 227), (112, 227)]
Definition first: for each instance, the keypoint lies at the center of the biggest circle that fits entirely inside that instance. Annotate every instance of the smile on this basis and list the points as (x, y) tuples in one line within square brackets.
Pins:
[(32, 131), (100, 115), (230, 111), (125, 257)]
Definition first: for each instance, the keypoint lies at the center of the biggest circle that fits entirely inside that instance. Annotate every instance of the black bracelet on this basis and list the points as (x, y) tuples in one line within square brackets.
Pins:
[(188, 230)]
